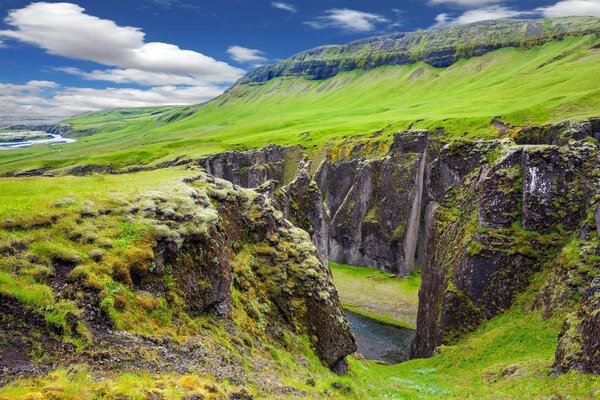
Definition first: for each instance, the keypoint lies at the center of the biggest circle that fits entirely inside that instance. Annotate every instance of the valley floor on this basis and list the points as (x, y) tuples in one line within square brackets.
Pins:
[(377, 294)]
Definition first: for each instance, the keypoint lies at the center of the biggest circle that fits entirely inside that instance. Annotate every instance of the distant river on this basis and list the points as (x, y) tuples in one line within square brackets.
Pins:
[(379, 341), (53, 139)]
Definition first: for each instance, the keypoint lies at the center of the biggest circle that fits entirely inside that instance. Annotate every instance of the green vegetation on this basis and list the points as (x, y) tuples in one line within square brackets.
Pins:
[(377, 294), (509, 356), (524, 87), (97, 234)]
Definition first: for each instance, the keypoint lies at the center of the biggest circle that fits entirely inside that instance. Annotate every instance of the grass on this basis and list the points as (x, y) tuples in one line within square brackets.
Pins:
[(28, 199), (509, 356), (542, 85), (377, 294)]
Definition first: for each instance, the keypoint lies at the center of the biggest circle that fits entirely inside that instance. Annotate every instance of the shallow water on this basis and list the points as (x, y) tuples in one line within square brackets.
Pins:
[(379, 341), (53, 139)]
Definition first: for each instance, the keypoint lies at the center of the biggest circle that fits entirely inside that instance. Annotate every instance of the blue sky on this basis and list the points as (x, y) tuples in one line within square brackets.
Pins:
[(70, 57)]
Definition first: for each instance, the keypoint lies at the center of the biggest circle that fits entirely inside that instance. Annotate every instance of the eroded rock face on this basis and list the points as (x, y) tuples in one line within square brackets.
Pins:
[(363, 212), (376, 205), (500, 208), (254, 167), (579, 339), (199, 227), (302, 203)]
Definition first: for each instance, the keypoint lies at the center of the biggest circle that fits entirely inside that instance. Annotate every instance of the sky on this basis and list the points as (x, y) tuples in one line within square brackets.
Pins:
[(65, 58)]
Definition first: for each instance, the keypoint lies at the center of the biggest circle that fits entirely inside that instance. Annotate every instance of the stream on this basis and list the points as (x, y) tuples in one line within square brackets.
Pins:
[(52, 139), (380, 341)]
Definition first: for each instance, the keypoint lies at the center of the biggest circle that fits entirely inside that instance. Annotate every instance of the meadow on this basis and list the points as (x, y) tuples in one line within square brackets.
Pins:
[(518, 87)]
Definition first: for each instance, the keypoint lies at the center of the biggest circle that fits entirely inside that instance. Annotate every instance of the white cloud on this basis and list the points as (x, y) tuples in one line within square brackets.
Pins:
[(245, 55), (284, 6), (572, 8), (347, 20), (465, 3), (476, 15), (565, 8), (64, 29), (131, 75), (41, 98)]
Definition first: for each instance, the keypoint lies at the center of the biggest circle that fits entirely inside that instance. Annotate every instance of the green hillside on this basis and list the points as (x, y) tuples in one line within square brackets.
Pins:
[(545, 84)]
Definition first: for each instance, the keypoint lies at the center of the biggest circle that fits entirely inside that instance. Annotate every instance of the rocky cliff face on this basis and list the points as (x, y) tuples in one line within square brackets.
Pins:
[(358, 210), (438, 48), (504, 210), (206, 246), (485, 216), (376, 205), (254, 167)]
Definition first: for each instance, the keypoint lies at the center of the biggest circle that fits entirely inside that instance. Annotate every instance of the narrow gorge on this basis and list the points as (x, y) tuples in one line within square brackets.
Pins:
[(479, 217)]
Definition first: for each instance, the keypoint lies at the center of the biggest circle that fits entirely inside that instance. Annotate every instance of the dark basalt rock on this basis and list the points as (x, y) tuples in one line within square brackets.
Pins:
[(297, 282), (302, 203), (486, 239), (579, 339), (250, 168), (376, 205)]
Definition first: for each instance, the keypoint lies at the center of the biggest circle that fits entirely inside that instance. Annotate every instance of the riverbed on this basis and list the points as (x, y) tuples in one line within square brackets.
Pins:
[(380, 341), (52, 139)]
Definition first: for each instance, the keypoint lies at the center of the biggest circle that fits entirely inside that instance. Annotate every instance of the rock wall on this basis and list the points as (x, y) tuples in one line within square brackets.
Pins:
[(503, 211), (363, 212), (482, 217), (376, 205), (254, 167)]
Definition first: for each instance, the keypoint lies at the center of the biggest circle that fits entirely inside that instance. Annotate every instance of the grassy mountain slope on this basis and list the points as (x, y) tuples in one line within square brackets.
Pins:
[(541, 85), (437, 47)]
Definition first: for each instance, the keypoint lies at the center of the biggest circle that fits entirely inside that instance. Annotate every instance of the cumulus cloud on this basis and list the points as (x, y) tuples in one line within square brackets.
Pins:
[(173, 75), (347, 20), (465, 3), (245, 55), (284, 6), (476, 15), (130, 75), (563, 8), (42, 98), (572, 8), (64, 29)]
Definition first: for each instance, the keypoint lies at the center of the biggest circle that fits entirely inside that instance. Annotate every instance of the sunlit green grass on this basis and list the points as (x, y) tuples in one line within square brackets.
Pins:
[(377, 294), (546, 84), (27, 198)]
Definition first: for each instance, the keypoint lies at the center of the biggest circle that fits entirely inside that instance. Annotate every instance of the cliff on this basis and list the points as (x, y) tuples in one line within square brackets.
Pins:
[(109, 283)]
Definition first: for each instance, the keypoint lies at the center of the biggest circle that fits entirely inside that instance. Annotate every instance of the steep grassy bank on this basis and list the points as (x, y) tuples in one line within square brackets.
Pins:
[(541, 85), (507, 357)]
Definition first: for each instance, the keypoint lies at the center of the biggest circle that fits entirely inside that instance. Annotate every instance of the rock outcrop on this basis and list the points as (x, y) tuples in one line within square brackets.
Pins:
[(301, 202), (360, 211), (579, 339), (205, 246), (254, 167), (376, 205), (296, 281), (503, 211)]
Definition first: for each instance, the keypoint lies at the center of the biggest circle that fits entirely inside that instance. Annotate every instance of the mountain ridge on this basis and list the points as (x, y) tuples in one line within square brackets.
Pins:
[(437, 47)]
